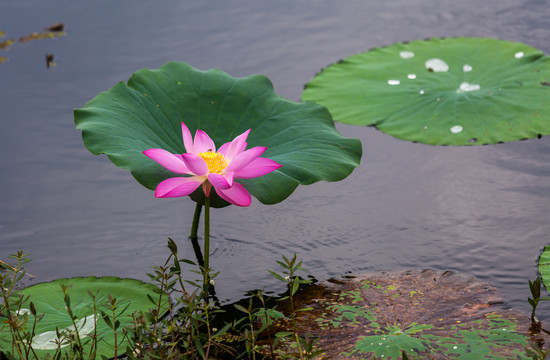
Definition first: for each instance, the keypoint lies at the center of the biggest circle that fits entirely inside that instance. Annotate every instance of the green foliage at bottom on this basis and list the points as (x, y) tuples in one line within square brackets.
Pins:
[(391, 344), (493, 337), (468, 343)]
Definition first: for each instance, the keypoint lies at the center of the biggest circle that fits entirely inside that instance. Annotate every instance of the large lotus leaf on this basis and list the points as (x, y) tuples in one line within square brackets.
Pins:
[(148, 111), (456, 91), (544, 267), (48, 299)]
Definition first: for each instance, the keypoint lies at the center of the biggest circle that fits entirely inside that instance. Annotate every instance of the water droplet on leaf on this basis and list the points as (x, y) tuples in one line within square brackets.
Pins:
[(394, 82), (411, 76), (436, 65), (406, 54), (467, 68), (464, 87), (456, 129)]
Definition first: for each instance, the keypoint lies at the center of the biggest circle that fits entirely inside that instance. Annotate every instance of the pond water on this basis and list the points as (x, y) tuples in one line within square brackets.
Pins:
[(482, 210)]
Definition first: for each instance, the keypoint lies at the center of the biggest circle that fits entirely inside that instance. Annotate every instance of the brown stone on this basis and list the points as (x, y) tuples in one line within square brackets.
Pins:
[(429, 314)]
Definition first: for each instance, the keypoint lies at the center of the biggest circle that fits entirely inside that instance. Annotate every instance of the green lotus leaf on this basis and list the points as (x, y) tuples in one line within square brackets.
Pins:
[(48, 299), (392, 344), (544, 267), (455, 91), (147, 113)]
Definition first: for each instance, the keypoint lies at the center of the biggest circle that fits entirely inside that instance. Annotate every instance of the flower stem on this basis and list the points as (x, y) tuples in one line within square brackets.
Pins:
[(206, 266), (196, 220), (206, 271)]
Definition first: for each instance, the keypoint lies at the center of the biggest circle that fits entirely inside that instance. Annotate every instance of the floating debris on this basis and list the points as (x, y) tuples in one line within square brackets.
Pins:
[(5, 44), (49, 60), (38, 36), (53, 31), (57, 27)]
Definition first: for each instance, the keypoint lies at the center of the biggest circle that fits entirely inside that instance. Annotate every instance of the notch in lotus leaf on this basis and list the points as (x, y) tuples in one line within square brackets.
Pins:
[(149, 110), (453, 91)]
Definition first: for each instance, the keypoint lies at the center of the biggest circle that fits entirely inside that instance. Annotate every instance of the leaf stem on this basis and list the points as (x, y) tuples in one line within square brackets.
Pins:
[(196, 220)]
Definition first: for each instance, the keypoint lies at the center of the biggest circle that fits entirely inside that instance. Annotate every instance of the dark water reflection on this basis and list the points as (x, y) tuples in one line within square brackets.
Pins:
[(482, 210)]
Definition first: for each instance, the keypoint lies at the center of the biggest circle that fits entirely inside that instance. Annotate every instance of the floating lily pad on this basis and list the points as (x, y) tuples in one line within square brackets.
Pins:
[(428, 314), (148, 111), (48, 299), (456, 91)]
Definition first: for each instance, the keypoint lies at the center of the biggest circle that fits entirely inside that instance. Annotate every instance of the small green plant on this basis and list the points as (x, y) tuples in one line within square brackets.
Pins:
[(186, 331), (111, 319), (534, 287), (248, 331), (10, 275), (304, 345), (161, 336), (258, 320), (536, 352), (74, 336)]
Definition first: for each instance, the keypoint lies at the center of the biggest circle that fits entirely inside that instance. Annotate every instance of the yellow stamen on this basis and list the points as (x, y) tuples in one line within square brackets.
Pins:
[(215, 161)]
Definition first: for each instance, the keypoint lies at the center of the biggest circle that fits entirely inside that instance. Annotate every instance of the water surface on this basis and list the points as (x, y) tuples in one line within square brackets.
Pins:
[(481, 210)]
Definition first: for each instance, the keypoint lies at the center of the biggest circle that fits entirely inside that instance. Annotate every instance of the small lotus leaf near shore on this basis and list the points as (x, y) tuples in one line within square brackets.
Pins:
[(88, 298)]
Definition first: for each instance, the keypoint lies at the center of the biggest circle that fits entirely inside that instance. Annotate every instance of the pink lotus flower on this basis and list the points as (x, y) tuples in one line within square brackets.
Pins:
[(211, 168)]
